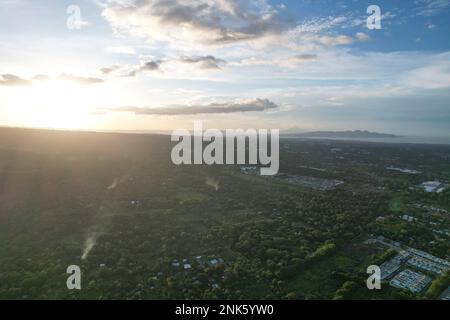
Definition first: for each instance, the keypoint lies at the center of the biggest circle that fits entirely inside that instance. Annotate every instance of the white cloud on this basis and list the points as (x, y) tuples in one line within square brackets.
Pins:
[(287, 62), (196, 25), (121, 50), (79, 80), (295, 61), (434, 74), (167, 65), (320, 24), (201, 21), (361, 36), (336, 100), (430, 8), (13, 80), (334, 41)]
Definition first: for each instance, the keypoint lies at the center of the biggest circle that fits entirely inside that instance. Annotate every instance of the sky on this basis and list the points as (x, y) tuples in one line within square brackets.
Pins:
[(300, 65)]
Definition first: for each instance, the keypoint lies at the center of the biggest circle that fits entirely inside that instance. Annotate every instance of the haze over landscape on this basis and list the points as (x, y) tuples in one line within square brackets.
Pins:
[(112, 188)]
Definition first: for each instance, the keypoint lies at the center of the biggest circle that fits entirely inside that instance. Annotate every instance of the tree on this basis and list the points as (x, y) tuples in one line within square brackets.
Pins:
[(438, 286), (291, 296)]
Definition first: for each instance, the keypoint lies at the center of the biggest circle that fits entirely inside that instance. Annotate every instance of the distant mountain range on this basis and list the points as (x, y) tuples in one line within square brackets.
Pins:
[(357, 134)]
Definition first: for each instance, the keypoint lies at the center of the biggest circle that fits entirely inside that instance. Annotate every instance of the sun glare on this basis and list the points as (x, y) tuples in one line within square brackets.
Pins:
[(54, 104)]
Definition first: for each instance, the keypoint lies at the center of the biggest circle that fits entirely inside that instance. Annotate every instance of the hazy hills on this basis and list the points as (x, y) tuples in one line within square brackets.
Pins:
[(356, 134)]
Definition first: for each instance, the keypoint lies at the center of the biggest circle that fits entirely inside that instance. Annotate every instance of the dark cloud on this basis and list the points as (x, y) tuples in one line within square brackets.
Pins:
[(256, 105), (206, 62), (150, 66), (80, 80), (13, 80)]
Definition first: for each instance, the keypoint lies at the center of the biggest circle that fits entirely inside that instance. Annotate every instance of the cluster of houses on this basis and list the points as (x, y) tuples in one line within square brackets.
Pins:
[(446, 294), (410, 280), (419, 261), (186, 265), (311, 182), (432, 186), (430, 257), (427, 265), (408, 218), (430, 208), (410, 171), (391, 266)]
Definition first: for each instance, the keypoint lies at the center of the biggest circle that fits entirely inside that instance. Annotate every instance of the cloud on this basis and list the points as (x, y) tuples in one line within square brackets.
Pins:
[(303, 58), (361, 36), (124, 71), (211, 22), (251, 61), (433, 75), (198, 62), (206, 62), (430, 8), (387, 18), (13, 80), (289, 62), (80, 80), (256, 105), (295, 61), (121, 50), (336, 100), (300, 41), (320, 24), (150, 66), (40, 77), (187, 24), (332, 41), (110, 69), (253, 26)]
